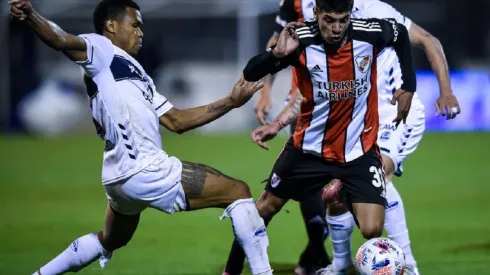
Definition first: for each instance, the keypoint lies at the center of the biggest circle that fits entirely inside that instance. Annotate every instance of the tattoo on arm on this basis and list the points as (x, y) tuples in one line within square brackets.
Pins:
[(293, 110), (217, 108)]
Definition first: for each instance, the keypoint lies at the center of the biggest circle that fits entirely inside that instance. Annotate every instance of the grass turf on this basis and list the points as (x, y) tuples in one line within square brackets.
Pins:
[(51, 193)]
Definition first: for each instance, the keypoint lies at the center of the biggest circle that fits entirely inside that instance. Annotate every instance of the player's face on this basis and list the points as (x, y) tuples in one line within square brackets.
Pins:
[(333, 26), (129, 30)]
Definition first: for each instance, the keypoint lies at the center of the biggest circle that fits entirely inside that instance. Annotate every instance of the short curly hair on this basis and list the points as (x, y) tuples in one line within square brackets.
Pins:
[(111, 9)]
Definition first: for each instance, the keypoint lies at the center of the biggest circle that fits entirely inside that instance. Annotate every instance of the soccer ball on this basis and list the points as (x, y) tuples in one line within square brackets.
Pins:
[(380, 256)]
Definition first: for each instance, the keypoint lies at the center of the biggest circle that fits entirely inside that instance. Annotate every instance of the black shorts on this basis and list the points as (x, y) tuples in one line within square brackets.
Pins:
[(292, 126), (297, 175)]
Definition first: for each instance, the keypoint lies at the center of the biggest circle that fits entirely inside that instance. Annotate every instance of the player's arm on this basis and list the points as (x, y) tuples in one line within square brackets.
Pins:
[(287, 13), (267, 63), (435, 54), (388, 33), (269, 79), (50, 33), (285, 53), (180, 121), (396, 35), (291, 111), (267, 132)]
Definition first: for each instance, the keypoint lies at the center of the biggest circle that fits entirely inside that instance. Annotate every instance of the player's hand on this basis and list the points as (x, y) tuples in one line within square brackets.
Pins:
[(243, 91), (263, 105), (20, 9), (288, 40), (404, 100), (447, 104), (264, 133)]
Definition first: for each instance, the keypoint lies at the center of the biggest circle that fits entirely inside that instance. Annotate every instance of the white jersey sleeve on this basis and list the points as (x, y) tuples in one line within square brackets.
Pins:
[(379, 9), (160, 103), (100, 53)]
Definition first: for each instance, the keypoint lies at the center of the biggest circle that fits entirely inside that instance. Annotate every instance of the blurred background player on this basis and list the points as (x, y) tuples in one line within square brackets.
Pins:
[(337, 128), (137, 173), (396, 143)]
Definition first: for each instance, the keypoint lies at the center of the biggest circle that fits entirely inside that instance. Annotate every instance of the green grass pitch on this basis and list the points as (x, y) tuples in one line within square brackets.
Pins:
[(51, 193)]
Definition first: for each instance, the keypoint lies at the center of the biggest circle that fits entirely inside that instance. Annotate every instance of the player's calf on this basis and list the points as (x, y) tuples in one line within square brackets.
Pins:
[(118, 231), (81, 253), (207, 187), (268, 205)]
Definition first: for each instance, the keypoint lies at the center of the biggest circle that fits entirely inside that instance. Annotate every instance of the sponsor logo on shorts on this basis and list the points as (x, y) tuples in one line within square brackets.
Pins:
[(275, 180)]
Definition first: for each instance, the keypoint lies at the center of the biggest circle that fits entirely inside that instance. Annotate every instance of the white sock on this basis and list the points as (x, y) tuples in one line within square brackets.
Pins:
[(396, 224), (340, 228), (249, 230), (82, 252)]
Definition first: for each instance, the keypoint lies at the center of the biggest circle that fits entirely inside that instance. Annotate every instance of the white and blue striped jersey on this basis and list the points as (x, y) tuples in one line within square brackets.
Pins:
[(125, 108)]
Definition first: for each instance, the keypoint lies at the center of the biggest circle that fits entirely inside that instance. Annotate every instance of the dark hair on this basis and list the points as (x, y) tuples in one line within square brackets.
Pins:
[(111, 9), (337, 6)]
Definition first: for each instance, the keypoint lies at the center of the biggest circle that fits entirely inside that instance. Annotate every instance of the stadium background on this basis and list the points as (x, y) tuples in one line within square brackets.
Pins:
[(50, 190)]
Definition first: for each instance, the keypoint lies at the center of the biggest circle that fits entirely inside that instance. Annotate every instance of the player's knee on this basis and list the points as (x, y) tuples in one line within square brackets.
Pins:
[(371, 230), (240, 190)]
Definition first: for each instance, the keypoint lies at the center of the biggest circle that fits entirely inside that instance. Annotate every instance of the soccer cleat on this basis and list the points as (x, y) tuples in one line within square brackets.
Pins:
[(411, 270), (226, 273), (351, 270), (331, 191), (299, 270)]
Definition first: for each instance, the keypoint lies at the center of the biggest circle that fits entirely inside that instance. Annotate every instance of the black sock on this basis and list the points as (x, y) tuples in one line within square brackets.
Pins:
[(313, 210), (234, 265)]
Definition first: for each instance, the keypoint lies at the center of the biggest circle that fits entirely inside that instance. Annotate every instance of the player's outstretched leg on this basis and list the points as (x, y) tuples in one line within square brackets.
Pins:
[(268, 205), (207, 187), (315, 256), (118, 231), (395, 221)]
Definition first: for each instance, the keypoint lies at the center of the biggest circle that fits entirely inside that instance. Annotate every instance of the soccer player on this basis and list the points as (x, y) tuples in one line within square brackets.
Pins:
[(137, 173), (396, 144), (313, 209), (335, 66)]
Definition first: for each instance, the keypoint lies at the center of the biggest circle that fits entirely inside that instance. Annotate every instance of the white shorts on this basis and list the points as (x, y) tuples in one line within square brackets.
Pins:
[(399, 143), (156, 186)]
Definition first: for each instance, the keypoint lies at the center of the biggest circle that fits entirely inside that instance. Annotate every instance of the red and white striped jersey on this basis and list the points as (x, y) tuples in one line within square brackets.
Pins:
[(339, 114), (388, 69)]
